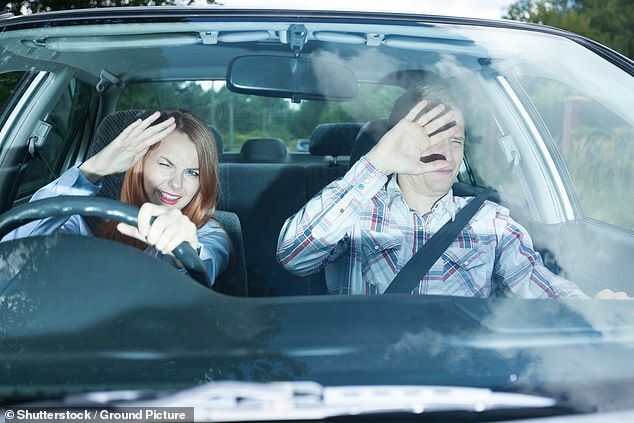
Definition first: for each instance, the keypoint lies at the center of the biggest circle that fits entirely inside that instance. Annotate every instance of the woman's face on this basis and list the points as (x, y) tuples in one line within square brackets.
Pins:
[(170, 172)]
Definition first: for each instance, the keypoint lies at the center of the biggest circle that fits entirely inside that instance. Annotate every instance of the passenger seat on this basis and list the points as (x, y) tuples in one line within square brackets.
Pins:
[(332, 140)]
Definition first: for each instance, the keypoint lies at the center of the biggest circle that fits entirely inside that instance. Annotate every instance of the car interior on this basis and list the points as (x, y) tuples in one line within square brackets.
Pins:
[(293, 99), (256, 200), (262, 184), (76, 104)]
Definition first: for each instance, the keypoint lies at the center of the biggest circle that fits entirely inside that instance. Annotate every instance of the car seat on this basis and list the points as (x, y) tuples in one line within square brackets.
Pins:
[(264, 150)]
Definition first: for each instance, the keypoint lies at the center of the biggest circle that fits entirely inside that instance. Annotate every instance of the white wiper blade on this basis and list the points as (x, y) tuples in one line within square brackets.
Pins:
[(244, 401)]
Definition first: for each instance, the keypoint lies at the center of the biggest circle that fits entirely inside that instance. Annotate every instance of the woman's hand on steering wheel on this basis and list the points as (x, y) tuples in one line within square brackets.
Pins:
[(104, 208), (162, 227)]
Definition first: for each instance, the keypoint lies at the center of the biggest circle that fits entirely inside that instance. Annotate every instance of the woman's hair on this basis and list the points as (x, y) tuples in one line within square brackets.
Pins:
[(203, 204)]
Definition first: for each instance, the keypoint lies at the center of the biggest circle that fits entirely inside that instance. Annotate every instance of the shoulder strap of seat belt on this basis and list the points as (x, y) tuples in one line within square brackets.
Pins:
[(418, 266)]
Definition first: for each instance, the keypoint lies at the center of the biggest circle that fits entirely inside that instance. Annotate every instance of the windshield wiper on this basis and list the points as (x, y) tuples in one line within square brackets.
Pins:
[(244, 401)]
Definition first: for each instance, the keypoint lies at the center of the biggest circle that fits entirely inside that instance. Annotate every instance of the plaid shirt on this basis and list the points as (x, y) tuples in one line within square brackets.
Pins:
[(362, 232)]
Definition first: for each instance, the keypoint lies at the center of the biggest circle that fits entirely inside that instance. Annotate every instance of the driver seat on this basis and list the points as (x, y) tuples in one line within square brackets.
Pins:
[(233, 281)]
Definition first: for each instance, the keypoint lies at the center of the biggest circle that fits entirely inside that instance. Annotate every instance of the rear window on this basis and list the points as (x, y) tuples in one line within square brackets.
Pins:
[(240, 117)]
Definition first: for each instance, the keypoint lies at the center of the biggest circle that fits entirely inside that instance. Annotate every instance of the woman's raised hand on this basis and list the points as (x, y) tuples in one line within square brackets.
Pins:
[(128, 147)]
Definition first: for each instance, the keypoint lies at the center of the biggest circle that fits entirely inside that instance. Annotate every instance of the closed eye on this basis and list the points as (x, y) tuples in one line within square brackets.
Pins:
[(164, 161)]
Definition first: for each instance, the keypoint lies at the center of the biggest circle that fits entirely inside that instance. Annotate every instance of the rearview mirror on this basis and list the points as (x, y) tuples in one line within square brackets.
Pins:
[(296, 78)]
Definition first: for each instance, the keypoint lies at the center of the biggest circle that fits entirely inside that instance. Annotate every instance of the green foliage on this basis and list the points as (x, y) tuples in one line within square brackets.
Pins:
[(600, 164), (606, 21), (36, 6), (240, 117), (596, 146), (305, 117), (8, 83)]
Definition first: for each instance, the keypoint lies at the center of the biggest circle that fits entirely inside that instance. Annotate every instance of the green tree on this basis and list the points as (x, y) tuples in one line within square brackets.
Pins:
[(606, 21), (35, 6)]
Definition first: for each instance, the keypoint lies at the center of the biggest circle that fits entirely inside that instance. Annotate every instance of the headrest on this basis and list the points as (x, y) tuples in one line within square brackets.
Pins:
[(367, 138), (218, 137), (334, 139), (264, 150), (109, 128)]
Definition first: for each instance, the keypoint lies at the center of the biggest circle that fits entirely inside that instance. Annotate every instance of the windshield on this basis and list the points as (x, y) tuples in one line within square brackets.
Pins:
[(321, 196)]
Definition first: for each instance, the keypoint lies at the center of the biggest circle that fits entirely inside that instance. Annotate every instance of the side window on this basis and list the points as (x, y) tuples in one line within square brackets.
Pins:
[(64, 126), (596, 144), (8, 84), (484, 142)]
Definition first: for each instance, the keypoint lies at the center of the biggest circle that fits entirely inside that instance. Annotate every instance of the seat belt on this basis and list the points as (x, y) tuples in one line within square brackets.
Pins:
[(420, 263)]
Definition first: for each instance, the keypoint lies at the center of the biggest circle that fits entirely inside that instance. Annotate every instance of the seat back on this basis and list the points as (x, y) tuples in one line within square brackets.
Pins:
[(264, 195), (333, 139), (368, 136), (233, 281)]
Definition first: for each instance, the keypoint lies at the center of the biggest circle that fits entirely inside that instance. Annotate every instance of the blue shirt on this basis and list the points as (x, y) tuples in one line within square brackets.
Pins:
[(360, 229), (213, 242)]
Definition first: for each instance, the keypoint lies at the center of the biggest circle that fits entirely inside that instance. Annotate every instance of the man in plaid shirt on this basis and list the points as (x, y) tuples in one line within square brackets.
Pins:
[(364, 227)]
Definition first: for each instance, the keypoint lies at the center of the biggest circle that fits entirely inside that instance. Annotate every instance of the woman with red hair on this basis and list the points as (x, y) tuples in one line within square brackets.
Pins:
[(170, 160)]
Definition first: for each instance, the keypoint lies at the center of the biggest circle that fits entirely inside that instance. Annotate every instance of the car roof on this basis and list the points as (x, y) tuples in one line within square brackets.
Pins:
[(200, 42)]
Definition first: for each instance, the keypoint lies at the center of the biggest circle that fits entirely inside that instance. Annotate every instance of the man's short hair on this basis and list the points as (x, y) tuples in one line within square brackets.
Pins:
[(432, 88)]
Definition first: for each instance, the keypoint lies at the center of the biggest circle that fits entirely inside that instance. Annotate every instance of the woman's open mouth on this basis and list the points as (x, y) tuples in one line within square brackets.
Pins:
[(167, 198)]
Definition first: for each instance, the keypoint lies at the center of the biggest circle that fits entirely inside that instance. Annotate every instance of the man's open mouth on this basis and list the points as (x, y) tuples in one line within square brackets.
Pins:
[(432, 158)]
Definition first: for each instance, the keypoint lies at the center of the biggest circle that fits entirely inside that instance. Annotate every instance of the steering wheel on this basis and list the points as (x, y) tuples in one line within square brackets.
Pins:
[(104, 208)]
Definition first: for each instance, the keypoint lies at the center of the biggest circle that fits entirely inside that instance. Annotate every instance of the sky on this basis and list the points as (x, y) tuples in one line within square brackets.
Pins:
[(490, 9)]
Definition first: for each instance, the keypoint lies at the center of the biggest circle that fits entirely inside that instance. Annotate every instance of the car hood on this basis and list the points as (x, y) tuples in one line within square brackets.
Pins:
[(97, 326)]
